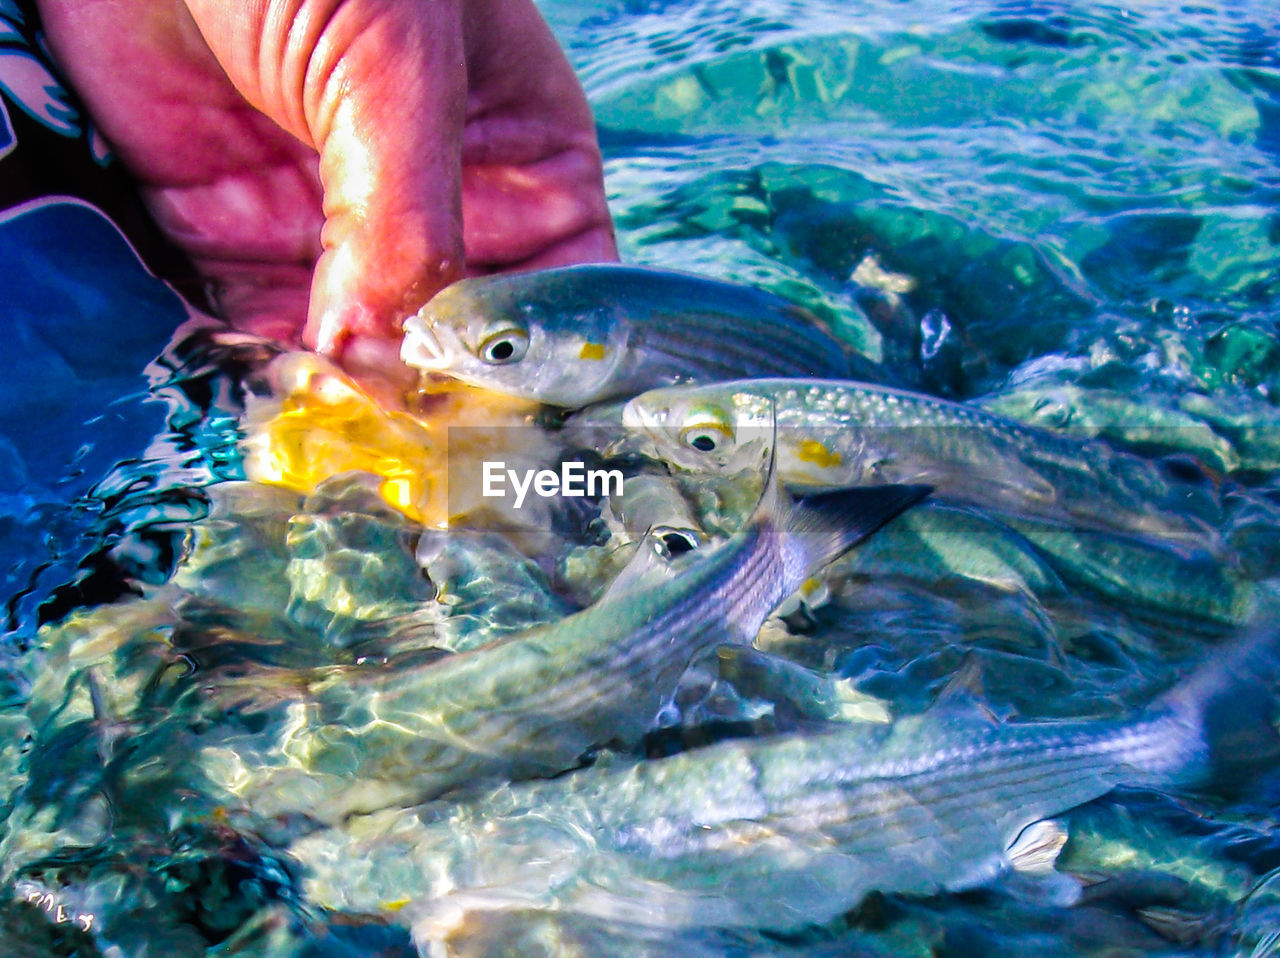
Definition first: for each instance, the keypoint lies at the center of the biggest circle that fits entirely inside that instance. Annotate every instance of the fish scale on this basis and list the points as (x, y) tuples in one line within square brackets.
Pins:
[(834, 433), (739, 343), (703, 361), (742, 342)]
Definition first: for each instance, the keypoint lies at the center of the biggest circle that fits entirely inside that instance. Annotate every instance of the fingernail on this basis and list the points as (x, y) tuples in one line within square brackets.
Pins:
[(333, 335)]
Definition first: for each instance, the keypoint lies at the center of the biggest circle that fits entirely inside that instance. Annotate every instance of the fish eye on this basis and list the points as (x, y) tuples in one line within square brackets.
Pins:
[(703, 440), (707, 431), (678, 541), (505, 345)]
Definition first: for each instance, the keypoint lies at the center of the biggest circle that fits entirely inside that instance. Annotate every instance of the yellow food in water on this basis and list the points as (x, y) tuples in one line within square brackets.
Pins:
[(319, 423)]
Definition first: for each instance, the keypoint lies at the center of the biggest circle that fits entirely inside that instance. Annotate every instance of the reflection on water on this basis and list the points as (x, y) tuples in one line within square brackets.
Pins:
[(1065, 214)]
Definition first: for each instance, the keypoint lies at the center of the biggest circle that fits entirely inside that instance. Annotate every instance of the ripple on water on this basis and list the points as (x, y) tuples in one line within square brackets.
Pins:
[(1114, 164), (1064, 211)]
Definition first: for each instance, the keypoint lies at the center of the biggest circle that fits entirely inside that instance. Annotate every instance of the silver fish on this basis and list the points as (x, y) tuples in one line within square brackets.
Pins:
[(577, 335), (654, 504), (795, 830), (533, 702), (834, 434)]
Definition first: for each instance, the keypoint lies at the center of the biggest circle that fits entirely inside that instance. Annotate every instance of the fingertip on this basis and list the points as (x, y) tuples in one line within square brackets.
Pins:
[(331, 335), (374, 363), (351, 302), (334, 312)]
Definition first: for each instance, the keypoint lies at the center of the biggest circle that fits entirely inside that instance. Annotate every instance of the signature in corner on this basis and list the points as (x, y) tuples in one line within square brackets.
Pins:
[(57, 910)]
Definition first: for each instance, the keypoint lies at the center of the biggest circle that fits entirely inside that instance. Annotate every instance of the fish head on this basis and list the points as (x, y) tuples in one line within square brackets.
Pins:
[(700, 428), (510, 334)]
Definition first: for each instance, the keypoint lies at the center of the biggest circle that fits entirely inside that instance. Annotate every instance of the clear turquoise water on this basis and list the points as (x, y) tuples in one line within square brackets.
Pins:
[(1068, 213), (1046, 173)]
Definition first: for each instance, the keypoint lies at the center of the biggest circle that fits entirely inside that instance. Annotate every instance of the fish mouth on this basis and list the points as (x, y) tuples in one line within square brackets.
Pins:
[(636, 418), (421, 348), (639, 427)]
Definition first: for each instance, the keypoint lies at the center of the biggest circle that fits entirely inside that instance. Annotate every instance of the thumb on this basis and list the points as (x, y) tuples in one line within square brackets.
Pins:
[(378, 89)]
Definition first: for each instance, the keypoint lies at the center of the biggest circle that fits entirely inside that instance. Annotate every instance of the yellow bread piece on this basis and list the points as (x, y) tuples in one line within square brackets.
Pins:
[(318, 423)]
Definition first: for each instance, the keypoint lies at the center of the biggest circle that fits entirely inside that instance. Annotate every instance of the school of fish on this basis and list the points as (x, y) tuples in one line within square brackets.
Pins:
[(452, 727)]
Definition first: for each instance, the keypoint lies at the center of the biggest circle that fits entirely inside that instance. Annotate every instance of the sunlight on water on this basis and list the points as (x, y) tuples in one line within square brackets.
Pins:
[(234, 716)]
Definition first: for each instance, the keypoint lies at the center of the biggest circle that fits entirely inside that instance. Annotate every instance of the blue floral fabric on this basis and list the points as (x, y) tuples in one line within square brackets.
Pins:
[(28, 82), (49, 146), (86, 302)]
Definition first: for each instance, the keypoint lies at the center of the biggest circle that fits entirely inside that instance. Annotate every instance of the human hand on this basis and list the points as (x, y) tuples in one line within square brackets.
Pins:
[(328, 165)]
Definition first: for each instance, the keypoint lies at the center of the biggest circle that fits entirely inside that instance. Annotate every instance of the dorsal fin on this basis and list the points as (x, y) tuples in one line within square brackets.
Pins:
[(822, 527)]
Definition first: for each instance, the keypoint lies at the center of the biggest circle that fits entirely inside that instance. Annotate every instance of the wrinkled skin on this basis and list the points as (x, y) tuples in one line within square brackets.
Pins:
[(330, 164)]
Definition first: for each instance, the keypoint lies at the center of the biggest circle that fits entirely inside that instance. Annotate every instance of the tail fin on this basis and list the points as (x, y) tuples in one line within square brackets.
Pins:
[(824, 526), (1227, 709)]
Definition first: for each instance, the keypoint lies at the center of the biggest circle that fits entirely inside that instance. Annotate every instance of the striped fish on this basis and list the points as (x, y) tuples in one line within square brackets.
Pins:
[(833, 434), (534, 702), (793, 831), (576, 335)]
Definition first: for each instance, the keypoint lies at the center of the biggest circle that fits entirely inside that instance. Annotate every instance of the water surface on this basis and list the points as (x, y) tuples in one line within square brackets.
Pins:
[(1067, 213)]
